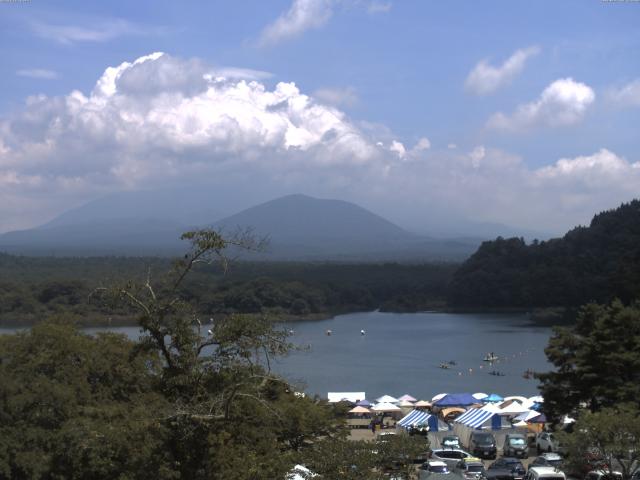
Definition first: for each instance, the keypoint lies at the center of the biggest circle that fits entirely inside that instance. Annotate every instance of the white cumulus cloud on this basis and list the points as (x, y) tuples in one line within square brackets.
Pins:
[(161, 117), (161, 121), (563, 102), (485, 78)]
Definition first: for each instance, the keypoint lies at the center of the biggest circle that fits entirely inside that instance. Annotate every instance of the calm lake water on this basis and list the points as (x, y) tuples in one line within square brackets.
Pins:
[(401, 353)]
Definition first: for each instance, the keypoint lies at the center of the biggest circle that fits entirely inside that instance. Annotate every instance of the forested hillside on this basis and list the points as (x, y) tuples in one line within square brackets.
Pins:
[(595, 263)]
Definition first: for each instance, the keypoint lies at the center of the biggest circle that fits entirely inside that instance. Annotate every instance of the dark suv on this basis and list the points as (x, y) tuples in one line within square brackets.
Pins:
[(515, 445), (483, 445)]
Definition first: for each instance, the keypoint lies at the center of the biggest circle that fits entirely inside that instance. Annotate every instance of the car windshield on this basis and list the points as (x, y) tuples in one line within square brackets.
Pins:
[(448, 454), (438, 469), (484, 439), (450, 441), (475, 468), (516, 441), (554, 462)]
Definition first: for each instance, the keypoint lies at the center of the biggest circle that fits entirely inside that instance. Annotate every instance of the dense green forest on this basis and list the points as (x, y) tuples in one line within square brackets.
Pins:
[(34, 288), (595, 263)]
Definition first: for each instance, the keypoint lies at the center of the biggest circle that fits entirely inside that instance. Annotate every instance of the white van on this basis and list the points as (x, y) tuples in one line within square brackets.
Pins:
[(545, 473)]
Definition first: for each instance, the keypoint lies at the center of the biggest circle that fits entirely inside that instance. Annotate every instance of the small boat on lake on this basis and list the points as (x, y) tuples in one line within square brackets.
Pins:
[(490, 357), (496, 373), (445, 366)]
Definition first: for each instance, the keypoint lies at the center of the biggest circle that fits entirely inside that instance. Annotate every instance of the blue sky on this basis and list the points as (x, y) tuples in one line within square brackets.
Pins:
[(527, 112)]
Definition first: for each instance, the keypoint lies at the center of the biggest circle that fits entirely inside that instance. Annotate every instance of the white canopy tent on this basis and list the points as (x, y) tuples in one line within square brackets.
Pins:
[(407, 398), (387, 399), (385, 407), (514, 408), (353, 397)]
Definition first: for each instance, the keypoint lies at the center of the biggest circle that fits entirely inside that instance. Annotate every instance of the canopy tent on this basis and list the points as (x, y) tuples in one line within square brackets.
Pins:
[(480, 396), (363, 403), (405, 403), (518, 398), (359, 410), (407, 398), (539, 419), (526, 416), (438, 397), (423, 404), (352, 397), (420, 417), (385, 407), (387, 399), (494, 397), (536, 399), (477, 417), (514, 408), (456, 400)]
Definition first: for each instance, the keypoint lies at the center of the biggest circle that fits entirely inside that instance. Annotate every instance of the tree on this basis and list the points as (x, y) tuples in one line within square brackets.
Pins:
[(192, 399), (597, 361), (611, 435), (359, 460), (76, 406)]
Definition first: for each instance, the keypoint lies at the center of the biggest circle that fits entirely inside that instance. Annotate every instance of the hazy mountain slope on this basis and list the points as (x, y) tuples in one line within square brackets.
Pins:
[(299, 228)]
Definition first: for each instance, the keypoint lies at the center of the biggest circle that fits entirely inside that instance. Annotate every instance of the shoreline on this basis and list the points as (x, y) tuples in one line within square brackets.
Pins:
[(540, 317)]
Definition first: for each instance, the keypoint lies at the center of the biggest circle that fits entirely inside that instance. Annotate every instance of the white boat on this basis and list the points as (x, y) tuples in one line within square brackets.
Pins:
[(490, 357)]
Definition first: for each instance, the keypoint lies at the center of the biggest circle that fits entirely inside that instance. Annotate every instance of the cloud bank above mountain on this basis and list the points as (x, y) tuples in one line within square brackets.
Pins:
[(166, 121)]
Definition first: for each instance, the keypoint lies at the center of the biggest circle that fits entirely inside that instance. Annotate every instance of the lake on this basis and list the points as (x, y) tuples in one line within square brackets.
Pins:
[(401, 353)]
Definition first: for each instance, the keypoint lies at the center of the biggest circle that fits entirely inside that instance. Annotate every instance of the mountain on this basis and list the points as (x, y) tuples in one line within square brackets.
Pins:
[(299, 228), (303, 227), (594, 263)]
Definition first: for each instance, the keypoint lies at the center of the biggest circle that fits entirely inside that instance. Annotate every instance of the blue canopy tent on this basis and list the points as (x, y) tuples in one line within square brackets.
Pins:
[(363, 403), (420, 417), (456, 400), (494, 397)]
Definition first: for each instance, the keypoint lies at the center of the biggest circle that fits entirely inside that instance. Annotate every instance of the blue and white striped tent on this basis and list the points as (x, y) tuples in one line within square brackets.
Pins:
[(478, 417), (420, 417)]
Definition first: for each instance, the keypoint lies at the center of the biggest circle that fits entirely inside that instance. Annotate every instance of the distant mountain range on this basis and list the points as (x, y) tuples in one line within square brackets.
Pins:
[(299, 228)]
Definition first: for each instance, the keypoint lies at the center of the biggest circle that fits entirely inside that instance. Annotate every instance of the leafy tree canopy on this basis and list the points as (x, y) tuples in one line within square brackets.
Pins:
[(597, 361)]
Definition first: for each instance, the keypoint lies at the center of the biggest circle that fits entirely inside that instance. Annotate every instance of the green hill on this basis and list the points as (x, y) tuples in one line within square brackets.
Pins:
[(594, 263)]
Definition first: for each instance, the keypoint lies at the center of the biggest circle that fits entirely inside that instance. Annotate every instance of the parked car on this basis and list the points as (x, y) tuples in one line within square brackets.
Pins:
[(450, 456), (470, 468), (544, 473), (506, 467), (515, 445), (483, 445), (546, 442), (548, 459), (451, 441), (435, 466), (603, 475)]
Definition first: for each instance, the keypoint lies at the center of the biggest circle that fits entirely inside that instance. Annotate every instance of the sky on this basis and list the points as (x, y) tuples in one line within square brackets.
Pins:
[(426, 112)]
